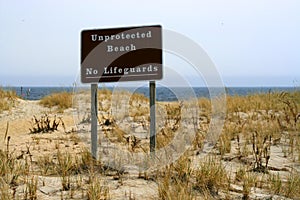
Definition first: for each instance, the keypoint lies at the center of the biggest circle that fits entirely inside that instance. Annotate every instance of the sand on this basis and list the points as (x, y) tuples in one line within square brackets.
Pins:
[(128, 186)]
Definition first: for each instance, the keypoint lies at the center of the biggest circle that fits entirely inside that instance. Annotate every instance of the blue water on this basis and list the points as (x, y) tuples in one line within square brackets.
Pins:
[(172, 94), (162, 93), (36, 93)]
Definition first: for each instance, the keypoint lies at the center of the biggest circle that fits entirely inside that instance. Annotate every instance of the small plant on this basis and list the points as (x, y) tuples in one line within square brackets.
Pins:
[(248, 183), (133, 142), (292, 186), (289, 187), (12, 168), (224, 144), (199, 140), (96, 190), (291, 110), (45, 124), (182, 168), (86, 162), (170, 185), (176, 179), (276, 184), (247, 179), (66, 166), (31, 188), (75, 138), (175, 190), (138, 107), (46, 164), (171, 125), (261, 145), (211, 176)]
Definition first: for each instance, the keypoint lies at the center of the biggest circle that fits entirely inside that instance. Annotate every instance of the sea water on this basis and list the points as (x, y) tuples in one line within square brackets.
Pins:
[(162, 93)]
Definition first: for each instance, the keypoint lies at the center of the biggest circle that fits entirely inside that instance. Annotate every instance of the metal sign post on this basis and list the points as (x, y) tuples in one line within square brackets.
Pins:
[(152, 119), (94, 120)]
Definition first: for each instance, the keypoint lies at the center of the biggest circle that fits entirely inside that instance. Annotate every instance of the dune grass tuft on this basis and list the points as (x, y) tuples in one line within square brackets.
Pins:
[(7, 99), (61, 100)]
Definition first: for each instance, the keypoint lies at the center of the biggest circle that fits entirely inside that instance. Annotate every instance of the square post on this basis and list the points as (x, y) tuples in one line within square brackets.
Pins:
[(152, 119), (94, 120)]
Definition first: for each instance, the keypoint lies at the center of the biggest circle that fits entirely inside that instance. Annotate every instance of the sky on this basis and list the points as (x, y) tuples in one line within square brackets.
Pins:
[(252, 43)]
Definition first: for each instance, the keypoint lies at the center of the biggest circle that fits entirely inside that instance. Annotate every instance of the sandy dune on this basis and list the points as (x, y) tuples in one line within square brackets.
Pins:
[(131, 185)]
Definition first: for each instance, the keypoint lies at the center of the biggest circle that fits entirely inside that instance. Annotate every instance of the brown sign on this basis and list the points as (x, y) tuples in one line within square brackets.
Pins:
[(121, 54)]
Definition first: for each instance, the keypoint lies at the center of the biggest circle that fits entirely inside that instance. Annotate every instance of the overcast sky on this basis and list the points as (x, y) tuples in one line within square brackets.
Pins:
[(252, 43)]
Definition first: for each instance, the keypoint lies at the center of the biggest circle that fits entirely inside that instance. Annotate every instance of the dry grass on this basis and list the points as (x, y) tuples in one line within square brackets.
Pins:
[(7, 99), (186, 182), (61, 100), (254, 125), (13, 169), (21, 169), (175, 179), (264, 101), (97, 189), (211, 176)]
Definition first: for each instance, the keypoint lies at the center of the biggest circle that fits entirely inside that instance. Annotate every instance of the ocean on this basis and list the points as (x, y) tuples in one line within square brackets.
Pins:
[(162, 93)]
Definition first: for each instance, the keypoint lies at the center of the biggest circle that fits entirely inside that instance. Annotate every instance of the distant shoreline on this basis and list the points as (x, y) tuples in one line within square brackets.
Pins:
[(162, 93)]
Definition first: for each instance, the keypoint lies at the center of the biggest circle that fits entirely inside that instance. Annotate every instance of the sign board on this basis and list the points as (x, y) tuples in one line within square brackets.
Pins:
[(121, 54)]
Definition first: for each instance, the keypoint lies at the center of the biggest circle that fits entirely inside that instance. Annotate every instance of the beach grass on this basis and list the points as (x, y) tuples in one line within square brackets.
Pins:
[(7, 99), (255, 125), (61, 100)]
